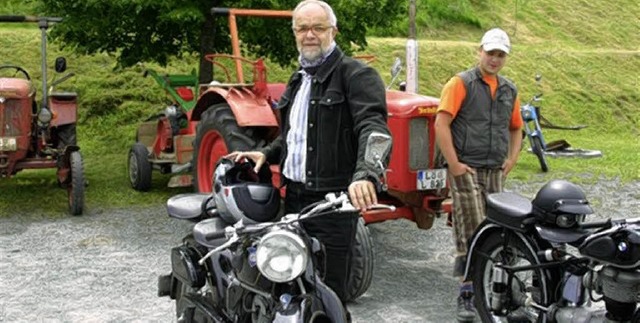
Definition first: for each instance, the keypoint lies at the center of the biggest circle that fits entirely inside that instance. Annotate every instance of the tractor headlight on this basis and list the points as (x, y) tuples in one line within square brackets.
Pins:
[(281, 256), (45, 116)]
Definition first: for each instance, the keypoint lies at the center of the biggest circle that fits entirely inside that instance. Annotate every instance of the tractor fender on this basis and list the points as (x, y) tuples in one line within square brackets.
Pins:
[(249, 110), (64, 106)]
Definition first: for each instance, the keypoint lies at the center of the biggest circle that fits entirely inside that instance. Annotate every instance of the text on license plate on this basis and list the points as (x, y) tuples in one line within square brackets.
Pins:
[(431, 179), (8, 144)]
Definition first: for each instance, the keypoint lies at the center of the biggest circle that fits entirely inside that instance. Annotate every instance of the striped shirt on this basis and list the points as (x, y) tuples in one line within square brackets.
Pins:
[(296, 160)]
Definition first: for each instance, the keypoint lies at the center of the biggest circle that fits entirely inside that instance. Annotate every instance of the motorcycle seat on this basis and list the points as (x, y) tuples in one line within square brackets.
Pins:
[(509, 209), (186, 206)]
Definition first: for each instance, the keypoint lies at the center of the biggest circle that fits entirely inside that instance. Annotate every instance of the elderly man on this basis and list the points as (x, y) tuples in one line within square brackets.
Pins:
[(330, 106)]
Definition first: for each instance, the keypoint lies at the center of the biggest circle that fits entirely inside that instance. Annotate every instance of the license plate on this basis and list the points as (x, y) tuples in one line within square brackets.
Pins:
[(8, 144), (431, 179)]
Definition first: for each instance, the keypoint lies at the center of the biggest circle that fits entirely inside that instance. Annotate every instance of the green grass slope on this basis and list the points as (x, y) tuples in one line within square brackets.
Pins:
[(587, 52)]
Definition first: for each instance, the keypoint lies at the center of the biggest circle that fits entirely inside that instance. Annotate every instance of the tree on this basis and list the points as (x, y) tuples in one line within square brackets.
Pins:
[(155, 30)]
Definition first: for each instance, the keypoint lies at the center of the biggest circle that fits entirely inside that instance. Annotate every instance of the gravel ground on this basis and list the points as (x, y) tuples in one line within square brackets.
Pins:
[(103, 266)]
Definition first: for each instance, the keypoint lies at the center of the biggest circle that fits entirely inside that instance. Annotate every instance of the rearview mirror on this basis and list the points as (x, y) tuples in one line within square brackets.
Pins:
[(378, 145), (61, 64), (396, 67)]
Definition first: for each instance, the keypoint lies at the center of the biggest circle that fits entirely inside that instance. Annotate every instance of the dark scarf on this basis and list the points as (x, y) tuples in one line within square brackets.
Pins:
[(311, 67)]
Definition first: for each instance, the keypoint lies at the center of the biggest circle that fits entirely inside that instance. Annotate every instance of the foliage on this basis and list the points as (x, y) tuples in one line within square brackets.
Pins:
[(149, 30), (430, 15)]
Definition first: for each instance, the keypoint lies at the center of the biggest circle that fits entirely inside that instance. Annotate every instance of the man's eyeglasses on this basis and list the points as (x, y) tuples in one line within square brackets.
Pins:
[(316, 30)]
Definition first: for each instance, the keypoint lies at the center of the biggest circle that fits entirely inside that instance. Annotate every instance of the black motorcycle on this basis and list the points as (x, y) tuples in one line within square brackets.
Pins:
[(539, 261), (258, 272)]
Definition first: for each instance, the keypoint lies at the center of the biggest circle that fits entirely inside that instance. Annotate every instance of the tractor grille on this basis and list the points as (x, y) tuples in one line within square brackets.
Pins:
[(418, 144), (15, 118)]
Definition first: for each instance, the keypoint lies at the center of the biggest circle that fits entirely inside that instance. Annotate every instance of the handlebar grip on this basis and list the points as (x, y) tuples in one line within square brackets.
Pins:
[(219, 11), (4, 18), (215, 235), (12, 18), (596, 224)]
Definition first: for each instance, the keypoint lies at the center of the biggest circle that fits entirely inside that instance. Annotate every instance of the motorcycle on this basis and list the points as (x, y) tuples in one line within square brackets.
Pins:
[(248, 266), (540, 261), (531, 117)]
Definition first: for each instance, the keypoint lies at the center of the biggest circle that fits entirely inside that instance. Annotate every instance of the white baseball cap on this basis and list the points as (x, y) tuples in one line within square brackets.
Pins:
[(496, 38)]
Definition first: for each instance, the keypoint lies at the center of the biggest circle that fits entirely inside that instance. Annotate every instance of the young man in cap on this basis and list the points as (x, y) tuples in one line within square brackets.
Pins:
[(478, 131)]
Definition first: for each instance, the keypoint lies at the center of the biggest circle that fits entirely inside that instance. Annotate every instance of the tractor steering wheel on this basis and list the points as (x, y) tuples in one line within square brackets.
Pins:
[(18, 69)]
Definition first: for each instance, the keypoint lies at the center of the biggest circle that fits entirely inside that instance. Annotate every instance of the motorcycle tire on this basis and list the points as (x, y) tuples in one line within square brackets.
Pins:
[(362, 263), (218, 134), (539, 151), (513, 250)]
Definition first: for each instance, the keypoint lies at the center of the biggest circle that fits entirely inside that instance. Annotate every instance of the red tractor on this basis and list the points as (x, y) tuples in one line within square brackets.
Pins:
[(41, 135), (207, 121)]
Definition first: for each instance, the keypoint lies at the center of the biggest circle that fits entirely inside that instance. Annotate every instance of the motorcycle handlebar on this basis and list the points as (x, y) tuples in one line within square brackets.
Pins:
[(609, 223)]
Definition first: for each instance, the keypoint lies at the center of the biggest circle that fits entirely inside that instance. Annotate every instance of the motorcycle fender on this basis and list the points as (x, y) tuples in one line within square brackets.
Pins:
[(325, 303), (483, 230), (309, 310), (185, 267), (294, 313)]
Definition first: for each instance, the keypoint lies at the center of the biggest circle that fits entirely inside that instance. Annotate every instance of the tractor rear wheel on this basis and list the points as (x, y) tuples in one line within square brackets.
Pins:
[(218, 134), (76, 188), (139, 167)]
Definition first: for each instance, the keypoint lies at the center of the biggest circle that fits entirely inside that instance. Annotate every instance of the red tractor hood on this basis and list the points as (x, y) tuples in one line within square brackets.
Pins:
[(403, 104), (15, 88)]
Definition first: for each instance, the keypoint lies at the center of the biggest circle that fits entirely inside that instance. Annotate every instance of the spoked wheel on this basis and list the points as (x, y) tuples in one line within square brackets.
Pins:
[(139, 167), (513, 251), (218, 134), (538, 149), (362, 263), (76, 188)]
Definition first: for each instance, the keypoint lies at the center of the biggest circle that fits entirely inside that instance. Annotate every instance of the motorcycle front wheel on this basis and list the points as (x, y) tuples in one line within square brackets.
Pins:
[(514, 251), (538, 149)]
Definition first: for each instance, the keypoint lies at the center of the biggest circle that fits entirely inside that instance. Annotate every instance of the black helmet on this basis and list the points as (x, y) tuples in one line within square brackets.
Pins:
[(241, 193), (562, 203)]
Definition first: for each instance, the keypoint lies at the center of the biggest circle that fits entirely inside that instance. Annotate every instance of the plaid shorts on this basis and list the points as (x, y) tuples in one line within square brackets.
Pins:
[(469, 192)]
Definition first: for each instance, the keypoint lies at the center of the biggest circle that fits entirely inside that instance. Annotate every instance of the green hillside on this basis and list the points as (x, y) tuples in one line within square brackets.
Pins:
[(587, 52)]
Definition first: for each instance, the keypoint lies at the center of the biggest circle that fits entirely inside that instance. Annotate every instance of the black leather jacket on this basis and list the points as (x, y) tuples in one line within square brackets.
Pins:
[(347, 102)]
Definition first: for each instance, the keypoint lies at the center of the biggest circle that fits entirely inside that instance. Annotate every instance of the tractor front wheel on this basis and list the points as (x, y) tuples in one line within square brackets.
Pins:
[(76, 187), (139, 167), (218, 134)]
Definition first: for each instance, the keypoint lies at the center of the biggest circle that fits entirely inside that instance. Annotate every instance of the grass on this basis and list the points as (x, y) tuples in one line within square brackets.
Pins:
[(587, 53)]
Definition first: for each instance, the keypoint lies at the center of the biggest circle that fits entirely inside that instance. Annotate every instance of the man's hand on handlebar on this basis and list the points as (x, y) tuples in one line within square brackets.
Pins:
[(363, 195)]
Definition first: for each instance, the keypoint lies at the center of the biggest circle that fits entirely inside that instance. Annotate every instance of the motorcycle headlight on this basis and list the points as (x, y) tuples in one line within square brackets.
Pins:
[(281, 256), (526, 114)]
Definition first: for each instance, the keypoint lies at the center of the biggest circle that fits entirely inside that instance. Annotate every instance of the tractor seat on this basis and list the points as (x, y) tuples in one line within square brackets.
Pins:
[(185, 93)]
